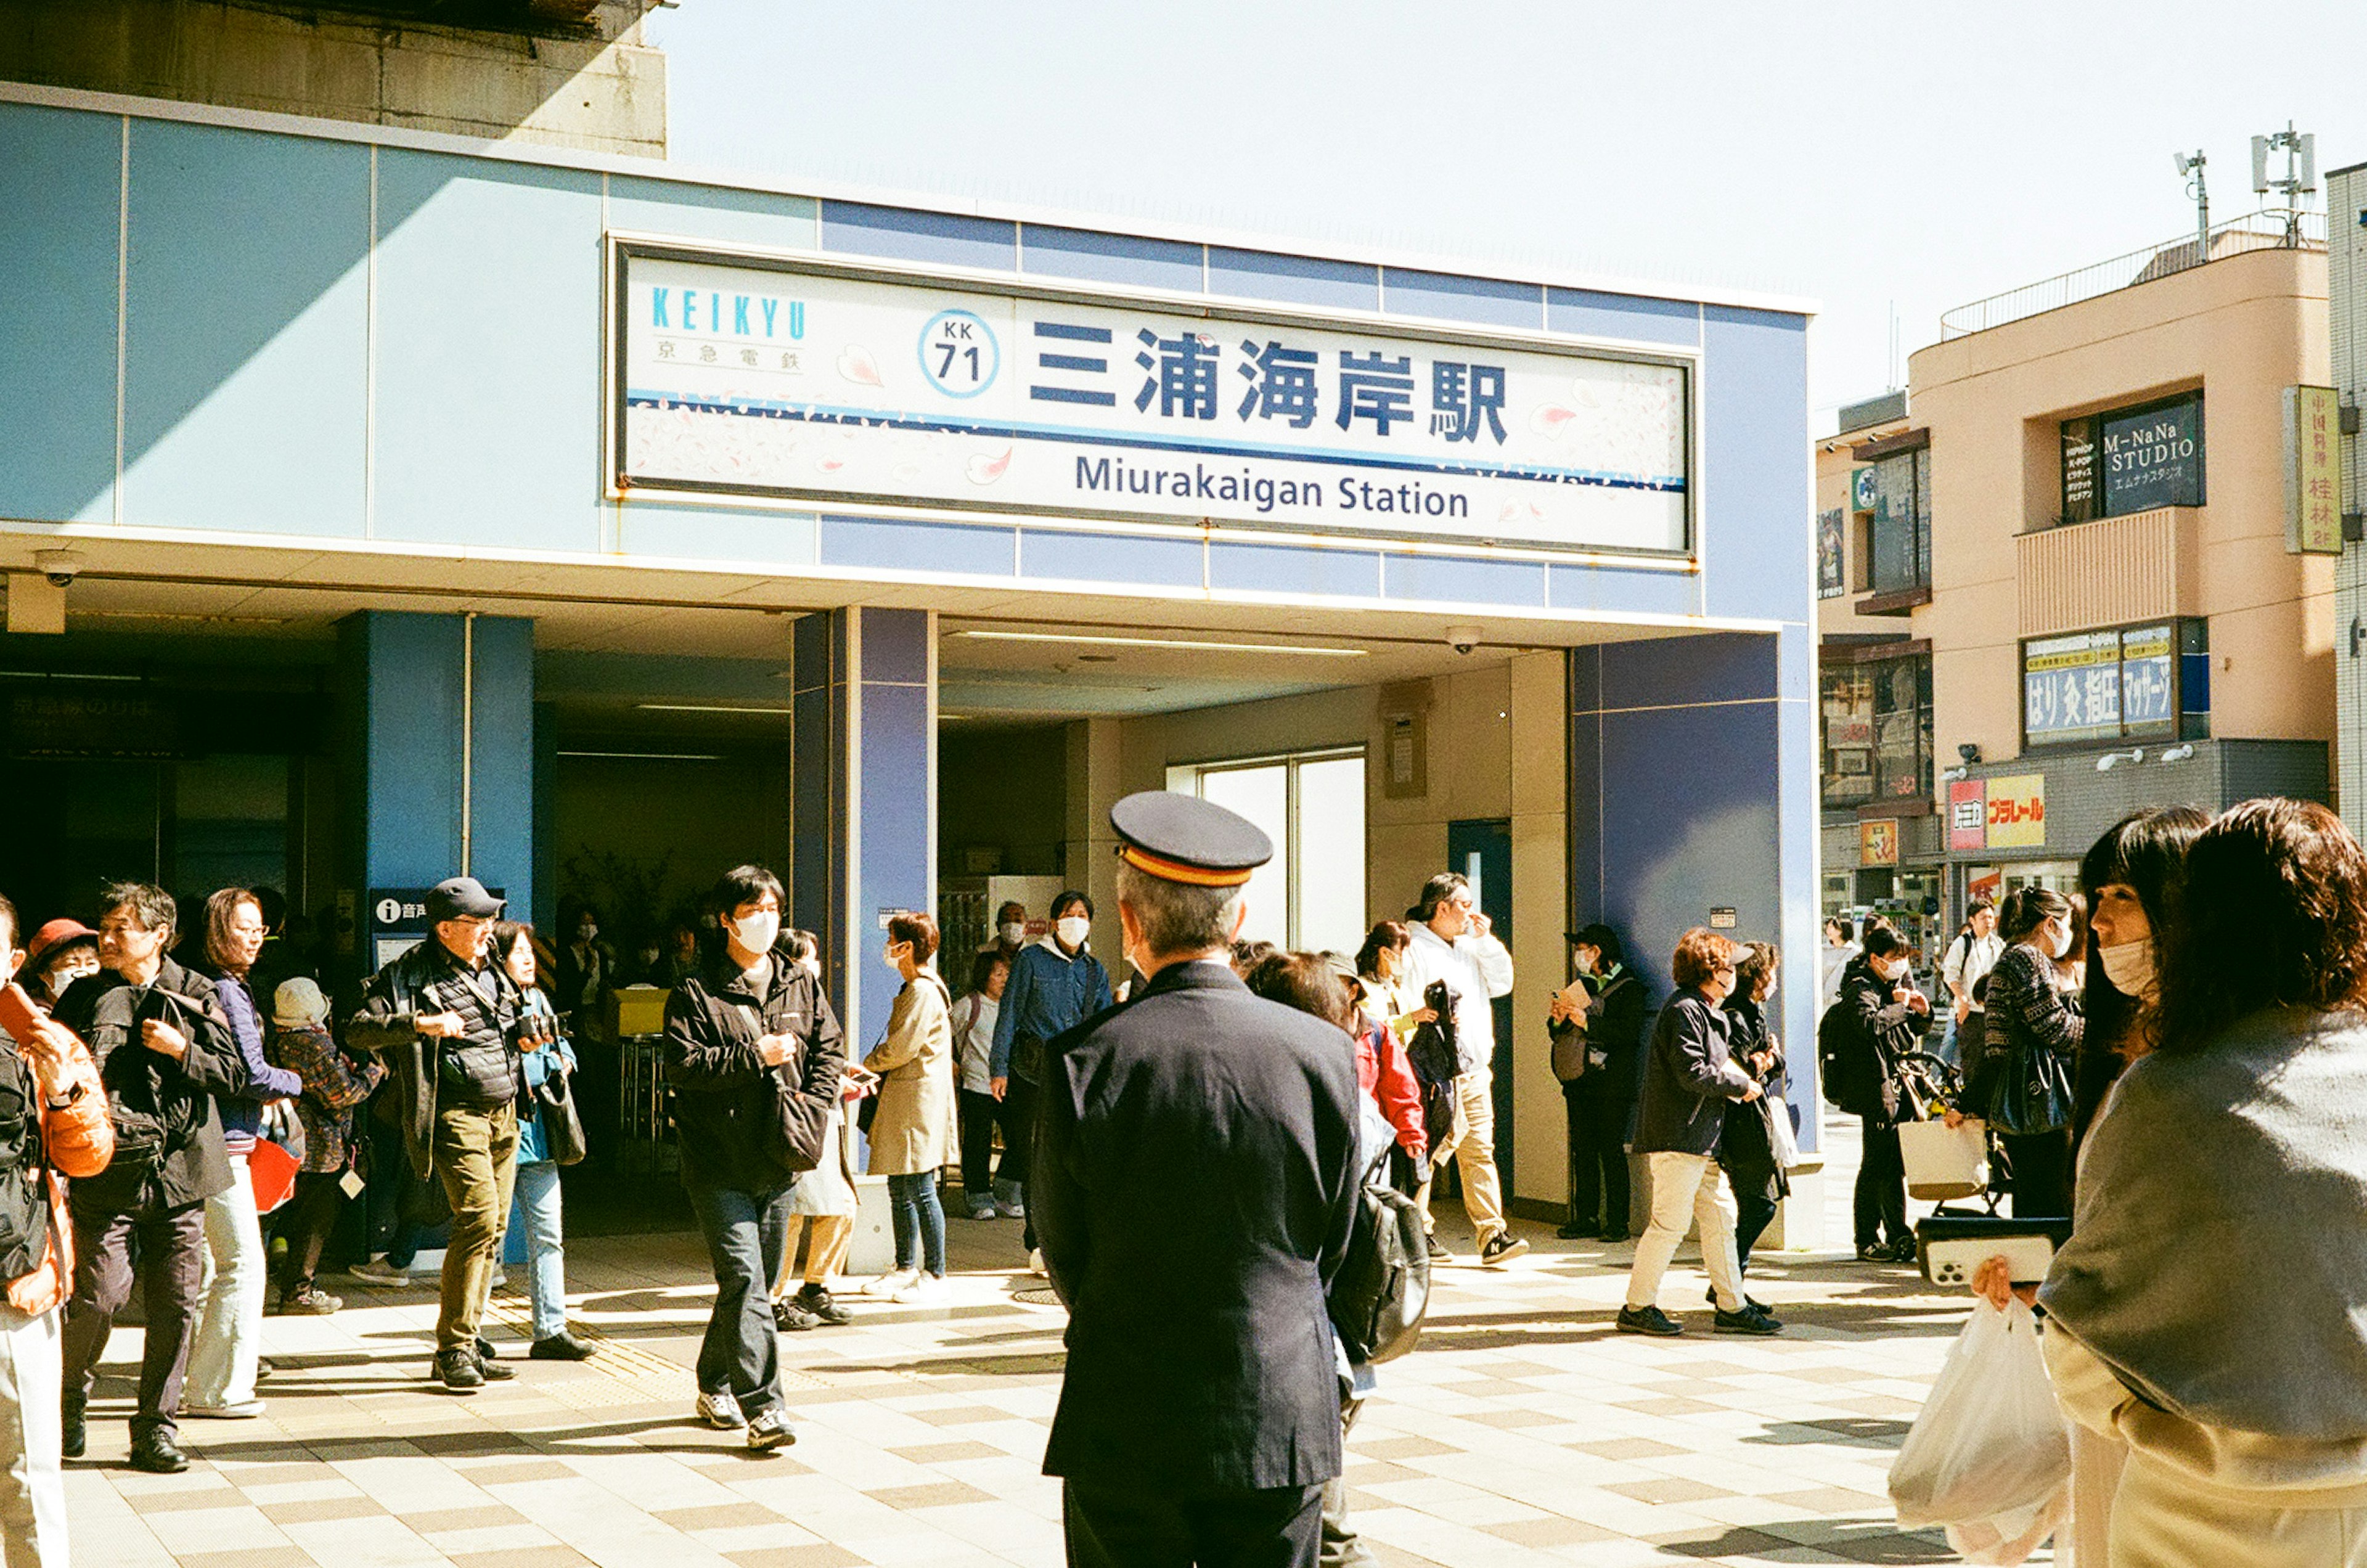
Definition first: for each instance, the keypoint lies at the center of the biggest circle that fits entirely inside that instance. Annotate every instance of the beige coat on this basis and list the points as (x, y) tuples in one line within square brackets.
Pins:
[(914, 1129)]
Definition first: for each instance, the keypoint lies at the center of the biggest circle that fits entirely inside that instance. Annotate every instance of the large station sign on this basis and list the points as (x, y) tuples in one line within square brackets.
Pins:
[(835, 384)]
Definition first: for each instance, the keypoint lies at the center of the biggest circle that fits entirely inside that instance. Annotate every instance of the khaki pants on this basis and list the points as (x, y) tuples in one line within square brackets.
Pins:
[(827, 1238), (1686, 1189), (475, 1152), (1472, 1144), (2162, 1520)]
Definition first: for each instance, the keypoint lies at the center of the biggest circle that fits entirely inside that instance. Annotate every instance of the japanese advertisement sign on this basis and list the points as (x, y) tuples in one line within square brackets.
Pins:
[(2153, 458), (1877, 842), (2017, 817), (2313, 479), (1968, 814), (884, 390), (2100, 685), (1829, 558)]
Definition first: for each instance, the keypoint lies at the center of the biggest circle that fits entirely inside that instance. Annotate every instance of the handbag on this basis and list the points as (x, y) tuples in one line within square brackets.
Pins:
[(563, 1129), (2034, 1092), (1569, 1055)]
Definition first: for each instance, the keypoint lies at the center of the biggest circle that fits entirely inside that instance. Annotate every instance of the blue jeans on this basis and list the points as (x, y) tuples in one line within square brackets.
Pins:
[(746, 1233), (920, 1221), (534, 1213)]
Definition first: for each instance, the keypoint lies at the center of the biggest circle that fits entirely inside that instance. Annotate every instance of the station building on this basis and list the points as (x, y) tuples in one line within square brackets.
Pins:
[(2083, 563), (384, 503)]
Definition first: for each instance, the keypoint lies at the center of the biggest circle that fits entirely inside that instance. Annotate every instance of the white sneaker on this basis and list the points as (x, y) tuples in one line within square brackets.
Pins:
[(888, 1284), (721, 1411), (926, 1290), (1035, 1264), (770, 1430)]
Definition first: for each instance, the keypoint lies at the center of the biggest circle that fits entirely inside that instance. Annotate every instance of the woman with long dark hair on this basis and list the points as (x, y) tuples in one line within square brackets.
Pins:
[(1746, 1146), (2210, 1308), (2130, 875), (2034, 1031)]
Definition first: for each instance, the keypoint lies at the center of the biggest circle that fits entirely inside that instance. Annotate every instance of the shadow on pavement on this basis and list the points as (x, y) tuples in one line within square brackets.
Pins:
[(1843, 1541)]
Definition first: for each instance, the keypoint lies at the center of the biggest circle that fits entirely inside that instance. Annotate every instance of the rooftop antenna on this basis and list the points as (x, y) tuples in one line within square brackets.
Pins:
[(2300, 176), (2191, 168)]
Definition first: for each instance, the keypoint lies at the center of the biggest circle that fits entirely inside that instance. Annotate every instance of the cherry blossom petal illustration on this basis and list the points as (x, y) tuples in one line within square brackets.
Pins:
[(985, 468), (855, 363), (1548, 419)]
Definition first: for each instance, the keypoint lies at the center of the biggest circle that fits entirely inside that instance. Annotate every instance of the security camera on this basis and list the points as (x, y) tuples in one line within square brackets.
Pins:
[(59, 567), (1463, 640)]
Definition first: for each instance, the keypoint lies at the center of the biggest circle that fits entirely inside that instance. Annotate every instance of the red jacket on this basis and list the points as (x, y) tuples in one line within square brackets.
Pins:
[(1383, 1072)]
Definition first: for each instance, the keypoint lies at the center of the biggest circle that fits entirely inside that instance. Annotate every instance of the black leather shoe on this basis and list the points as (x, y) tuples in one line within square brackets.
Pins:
[(1749, 1303), (1612, 1238), (1749, 1320), (1574, 1230), (157, 1453), (1648, 1320), (459, 1371), (74, 1429), (559, 1347), (485, 1351), (494, 1371)]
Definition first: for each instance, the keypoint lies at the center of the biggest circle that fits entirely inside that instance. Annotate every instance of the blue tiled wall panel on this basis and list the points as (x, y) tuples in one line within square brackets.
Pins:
[(1719, 667), (1452, 580), (1759, 546), (1796, 781), (1633, 589), (709, 212), (877, 542), (813, 731), (1294, 280), (1109, 557), (1588, 313), (718, 533), (1287, 569), (895, 648), (1122, 259), (502, 758), (246, 327), (59, 174), (933, 239), (1489, 301), (488, 353), (897, 800), (408, 667)]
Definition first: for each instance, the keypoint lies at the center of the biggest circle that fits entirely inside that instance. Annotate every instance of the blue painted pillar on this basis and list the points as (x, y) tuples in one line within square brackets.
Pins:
[(436, 743), (865, 811), (1693, 789)]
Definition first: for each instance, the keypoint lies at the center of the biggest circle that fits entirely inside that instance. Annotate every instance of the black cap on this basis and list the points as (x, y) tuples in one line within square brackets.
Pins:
[(461, 898), (1180, 838)]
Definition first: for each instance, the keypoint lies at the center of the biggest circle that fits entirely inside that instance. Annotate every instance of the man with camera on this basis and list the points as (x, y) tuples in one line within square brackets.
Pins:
[(163, 1050), (445, 1017)]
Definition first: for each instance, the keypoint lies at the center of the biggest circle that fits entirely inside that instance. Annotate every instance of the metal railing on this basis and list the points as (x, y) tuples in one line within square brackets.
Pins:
[(2266, 231)]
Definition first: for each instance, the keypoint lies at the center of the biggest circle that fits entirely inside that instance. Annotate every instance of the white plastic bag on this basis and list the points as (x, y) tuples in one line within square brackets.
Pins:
[(1990, 1457)]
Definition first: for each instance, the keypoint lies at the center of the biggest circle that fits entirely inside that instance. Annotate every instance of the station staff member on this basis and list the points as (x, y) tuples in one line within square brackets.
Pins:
[(1194, 1189)]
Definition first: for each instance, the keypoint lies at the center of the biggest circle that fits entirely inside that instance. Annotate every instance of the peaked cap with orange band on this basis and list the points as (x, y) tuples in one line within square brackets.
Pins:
[(1179, 838)]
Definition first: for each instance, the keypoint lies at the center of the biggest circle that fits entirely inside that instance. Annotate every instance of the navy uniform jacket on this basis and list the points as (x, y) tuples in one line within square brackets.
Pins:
[(1193, 1190)]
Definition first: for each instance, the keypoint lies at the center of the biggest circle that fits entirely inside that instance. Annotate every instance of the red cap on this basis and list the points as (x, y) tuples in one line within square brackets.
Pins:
[(54, 935)]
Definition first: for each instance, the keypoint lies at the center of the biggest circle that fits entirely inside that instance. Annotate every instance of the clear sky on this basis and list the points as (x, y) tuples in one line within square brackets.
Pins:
[(1870, 157)]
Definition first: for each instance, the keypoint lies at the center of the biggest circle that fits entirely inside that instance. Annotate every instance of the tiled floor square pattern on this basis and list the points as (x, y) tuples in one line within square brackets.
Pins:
[(1523, 1431)]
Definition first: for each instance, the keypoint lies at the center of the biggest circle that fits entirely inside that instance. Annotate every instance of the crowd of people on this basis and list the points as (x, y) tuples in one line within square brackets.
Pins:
[(2171, 1057)]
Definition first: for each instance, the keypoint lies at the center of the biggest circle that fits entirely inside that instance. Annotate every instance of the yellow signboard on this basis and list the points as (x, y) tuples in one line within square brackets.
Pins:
[(2017, 812), (1877, 842), (2313, 472)]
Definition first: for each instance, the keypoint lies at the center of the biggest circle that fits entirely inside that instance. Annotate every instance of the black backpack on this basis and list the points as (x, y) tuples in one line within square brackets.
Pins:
[(1844, 1059), (1382, 1291), (1436, 1065), (24, 1194)]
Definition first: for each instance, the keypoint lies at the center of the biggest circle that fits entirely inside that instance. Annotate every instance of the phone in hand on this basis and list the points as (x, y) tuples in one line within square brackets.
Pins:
[(1950, 1248), (19, 1015)]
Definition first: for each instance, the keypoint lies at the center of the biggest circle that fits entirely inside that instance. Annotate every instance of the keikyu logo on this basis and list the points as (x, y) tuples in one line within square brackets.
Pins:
[(763, 317)]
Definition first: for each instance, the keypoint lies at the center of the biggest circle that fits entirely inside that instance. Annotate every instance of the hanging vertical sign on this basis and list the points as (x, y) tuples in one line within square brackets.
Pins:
[(2313, 478), (1877, 842), (1968, 814), (1829, 582)]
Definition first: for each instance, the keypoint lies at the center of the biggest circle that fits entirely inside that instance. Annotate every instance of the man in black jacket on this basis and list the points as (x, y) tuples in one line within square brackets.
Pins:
[(163, 1049), (1195, 1192), (1689, 1079), (1600, 1102), (756, 1058), (444, 1016)]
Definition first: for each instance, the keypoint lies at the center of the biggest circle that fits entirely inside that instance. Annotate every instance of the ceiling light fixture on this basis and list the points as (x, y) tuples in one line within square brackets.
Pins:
[(712, 707), (652, 756), (1188, 644)]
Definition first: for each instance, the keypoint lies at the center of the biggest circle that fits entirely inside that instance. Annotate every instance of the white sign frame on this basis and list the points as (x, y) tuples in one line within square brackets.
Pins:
[(624, 249)]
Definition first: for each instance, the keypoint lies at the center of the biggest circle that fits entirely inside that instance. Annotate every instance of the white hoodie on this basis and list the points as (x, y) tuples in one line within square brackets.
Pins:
[(1474, 969)]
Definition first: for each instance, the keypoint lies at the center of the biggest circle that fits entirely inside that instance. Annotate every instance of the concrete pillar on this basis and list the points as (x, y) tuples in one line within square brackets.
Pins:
[(1693, 802), (865, 811), (436, 745), (1540, 796), (1090, 857)]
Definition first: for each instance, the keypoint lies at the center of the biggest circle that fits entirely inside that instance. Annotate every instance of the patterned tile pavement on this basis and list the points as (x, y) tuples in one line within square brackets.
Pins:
[(1523, 1431)]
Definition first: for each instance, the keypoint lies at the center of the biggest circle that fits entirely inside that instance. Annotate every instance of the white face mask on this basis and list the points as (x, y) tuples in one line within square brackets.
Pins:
[(756, 931), (2129, 966), (2058, 941), (1073, 929), (892, 960), (1012, 932)]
